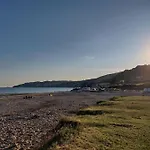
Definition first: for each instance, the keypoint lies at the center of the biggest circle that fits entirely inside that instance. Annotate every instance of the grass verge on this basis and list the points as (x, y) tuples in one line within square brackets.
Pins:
[(123, 123)]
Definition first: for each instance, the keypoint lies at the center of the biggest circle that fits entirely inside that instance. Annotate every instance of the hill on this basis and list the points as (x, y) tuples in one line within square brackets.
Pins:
[(82, 83), (137, 75)]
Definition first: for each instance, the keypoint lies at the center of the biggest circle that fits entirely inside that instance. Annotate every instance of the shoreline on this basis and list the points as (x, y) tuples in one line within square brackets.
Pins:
[(42, 93)]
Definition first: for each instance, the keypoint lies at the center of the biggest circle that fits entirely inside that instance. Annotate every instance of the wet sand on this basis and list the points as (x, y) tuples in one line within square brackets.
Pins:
[(28, 123)]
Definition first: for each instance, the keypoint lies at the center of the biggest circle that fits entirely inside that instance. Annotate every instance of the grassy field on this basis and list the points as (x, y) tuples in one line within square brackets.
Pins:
[(123, 123)]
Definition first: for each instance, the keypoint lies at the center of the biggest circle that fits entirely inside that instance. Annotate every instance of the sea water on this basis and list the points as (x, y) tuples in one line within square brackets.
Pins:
[(21, 90)]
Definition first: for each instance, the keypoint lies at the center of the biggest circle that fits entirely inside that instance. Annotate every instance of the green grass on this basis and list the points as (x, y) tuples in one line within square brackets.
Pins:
[(123, 123)]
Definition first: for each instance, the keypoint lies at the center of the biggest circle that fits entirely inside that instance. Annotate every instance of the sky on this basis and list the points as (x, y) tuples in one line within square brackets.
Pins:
[(71, 39)]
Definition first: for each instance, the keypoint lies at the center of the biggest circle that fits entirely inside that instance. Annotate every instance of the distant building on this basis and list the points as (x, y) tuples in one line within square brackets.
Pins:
[(94, 89), (105, 85), (122, 81), (146, 90), (85, 89)]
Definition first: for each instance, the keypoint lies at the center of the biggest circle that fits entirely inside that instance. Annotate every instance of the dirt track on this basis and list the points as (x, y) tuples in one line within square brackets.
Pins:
[(27, 123)]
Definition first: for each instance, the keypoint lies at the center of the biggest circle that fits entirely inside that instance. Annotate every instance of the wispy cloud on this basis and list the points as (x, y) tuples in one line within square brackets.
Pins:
[(89, 57)]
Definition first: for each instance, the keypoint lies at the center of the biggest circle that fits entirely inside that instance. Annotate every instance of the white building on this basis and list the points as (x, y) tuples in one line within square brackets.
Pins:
[(146, 90), (85, 89)]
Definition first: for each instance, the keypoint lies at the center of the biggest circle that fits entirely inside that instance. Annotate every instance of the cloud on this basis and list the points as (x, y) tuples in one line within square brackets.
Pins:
[(89, 57)]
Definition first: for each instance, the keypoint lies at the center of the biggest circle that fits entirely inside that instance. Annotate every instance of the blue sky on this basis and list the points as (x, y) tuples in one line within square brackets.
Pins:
[(71, 39)]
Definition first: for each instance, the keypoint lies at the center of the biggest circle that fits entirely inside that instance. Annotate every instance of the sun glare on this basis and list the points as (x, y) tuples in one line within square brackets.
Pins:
[(145, 54)]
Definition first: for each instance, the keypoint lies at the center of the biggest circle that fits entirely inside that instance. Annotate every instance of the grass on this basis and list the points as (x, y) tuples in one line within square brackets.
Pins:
[(123, 123), (64, 131)]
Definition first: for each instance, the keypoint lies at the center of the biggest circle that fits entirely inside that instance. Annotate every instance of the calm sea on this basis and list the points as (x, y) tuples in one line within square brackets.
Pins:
[(31, 90)]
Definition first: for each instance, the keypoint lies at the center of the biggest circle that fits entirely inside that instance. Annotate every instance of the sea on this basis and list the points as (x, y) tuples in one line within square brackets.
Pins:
[(21, 90)]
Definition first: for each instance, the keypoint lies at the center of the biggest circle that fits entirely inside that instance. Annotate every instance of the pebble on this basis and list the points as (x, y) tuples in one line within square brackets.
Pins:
[(27, 130)]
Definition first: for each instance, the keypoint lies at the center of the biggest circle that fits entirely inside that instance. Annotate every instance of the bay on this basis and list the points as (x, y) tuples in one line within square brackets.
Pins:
[(21, 90)]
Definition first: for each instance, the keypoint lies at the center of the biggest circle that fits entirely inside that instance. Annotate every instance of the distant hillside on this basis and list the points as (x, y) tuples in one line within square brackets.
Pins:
[(82, 83), (51, 84), (139, 74)]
